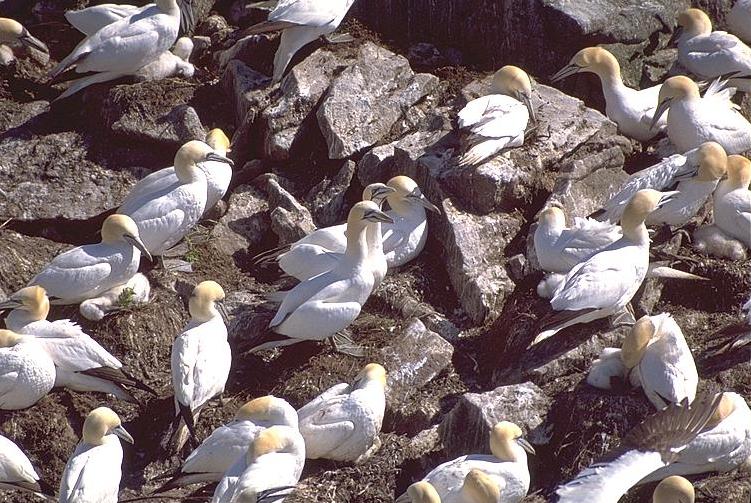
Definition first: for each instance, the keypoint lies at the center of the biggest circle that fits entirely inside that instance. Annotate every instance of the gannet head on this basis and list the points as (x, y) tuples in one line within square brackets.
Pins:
[(185, 70), (420, 492), (674, 489), (206, 302), (32, 300), (183, 49), (364, 212), (8, 338), (377, 192), (724, 409), (639, 207), (12, 32), (591, 59), (739, 171), (101, 422), (268, 409), (712, 162), (117, 228), (217, 139), (513, 81), (695, 22), (192, 153), (407, 195), (370, 373), (676, 88), (273, 439), (552, 217), (503, 438), (636, 341), (480, 488)]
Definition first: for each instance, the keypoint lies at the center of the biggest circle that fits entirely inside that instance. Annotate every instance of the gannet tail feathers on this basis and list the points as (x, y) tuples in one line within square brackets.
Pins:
[(186, 414), (69, 62), (186, 479), (558, 320), (268, 26), (273, 494), (730, 337)]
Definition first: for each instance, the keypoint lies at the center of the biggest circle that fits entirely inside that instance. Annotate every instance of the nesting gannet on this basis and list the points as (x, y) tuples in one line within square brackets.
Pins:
[(270, 469), (321, 306), (343, 422), (122, 47), (499, 120), (631, 109), (17, 472), (478, 487), (506, 467), (217, 453), (696, 172), (88, 271), (739, 20), (732, 200), (606, 282), (174, 63), (711, 240), (165, 215), (674, 490), (301, 22), (693, 120), (27, 372), (92, 474), (133, 293), (13, 33), (201, 356)]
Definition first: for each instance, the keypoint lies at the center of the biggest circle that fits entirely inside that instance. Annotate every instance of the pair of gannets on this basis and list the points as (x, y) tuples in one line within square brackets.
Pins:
[(92, 19), (167, 206), (301, 22), (732, 200), (17, 472), (13, 33), (343, 422), (505, 480), (656, 357), (499, 120)]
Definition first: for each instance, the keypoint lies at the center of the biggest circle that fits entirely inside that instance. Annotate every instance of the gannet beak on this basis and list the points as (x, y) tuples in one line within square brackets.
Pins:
[(213, 156), (421, 199), (10, 304), (382, 191), (667, 197), (29, 40), (123, 434), (567, 71), (527, 100), (271, 495), (139, 244), (404, 498), (525, 445), (661, 109), (378, 216), (222, 311)]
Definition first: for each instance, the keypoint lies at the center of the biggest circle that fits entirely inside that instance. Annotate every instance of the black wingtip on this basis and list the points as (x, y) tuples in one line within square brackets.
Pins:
[(187, 414)]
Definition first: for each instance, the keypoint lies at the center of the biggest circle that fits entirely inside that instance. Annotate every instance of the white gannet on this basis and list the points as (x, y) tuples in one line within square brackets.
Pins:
[(608, 365), (270, 469), (343, 422), (696, 172), (674, 489), (498, 120), (88, 271), (321, 306), (421, 492), (13, 33), (506, 467), (606, 282), (301, 22), (711, 240), (92, 19), (201, 356), (478, 487), (133, 293), (693, 120), (81, 364), (631, 109), (27, 372), (164, 216), (92, 474), (122, 47), (739, 20), (173, 63), (17, 472), (217, 453), (732, 200)]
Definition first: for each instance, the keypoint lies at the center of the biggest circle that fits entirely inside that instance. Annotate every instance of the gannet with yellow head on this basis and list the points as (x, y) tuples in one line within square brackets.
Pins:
[(674, 489), (732, 200), (13, 33), (27, 372), (18, 474)]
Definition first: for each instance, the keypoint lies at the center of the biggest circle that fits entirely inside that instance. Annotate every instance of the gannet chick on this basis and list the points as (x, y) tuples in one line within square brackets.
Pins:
[(710, 240), (88, 271), (631, 109), (164, 216), (201, 356), (93, 472), (17, 472), (133, 293), (174, 63), (608, 365), (739, 20), (606, 282), (674, 490), (693, 120), (732, 200), (301, 22), (270, 469), (696, 172), (27, 372), (13, 33), (498, 120), (216, 454), (343, 422)]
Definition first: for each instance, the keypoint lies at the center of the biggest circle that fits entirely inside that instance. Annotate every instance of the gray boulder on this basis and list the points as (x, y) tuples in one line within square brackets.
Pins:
[(290, 220), (327, 199), (245, 223)]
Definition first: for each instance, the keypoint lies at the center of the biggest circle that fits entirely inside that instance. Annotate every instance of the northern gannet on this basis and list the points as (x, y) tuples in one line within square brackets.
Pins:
[(732, 200), (27, 372), (88, 271), (631, 109), (498, 120), (674, 489), (301, 22), (165, 215), (268, 471), (739, 19), (92, 19), (478, 487), (92, 474), (13, 33), (606, 282), (133, 293), (343, 422), (17, 472), (173, 63)]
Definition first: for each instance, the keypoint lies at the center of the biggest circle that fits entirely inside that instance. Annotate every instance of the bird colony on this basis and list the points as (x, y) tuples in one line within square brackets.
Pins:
[(332, 363)]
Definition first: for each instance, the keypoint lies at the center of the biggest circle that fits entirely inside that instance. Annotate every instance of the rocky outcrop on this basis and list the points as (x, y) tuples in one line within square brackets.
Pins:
[(245, 223), (327, 199)]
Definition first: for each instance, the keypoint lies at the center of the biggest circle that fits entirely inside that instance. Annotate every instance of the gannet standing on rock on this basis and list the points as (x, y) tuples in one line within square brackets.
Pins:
[(343, 422), (499, 120), (478, 487), (174, 63), (27, 372), (17, 472), (631, 109), (732, 200), (13, 33), (674, 490)]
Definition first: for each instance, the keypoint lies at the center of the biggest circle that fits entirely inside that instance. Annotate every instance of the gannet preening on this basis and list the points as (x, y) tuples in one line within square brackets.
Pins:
[(693, 120), (81, 364), (165, 215), (27, 372), (711, 240), (122, 47), (268, 471), (478, 487), (301, 22), (732, 200), (88, 271), (498, 120), (606, 282), (133, 293), (92, 474), (674, 489), (174, 63), (13, 33), (216, 454), (739, 20), (321, 306), (631, 109), (343, 422), (201, 356), (506, 468), (17, 472), (696, 172)]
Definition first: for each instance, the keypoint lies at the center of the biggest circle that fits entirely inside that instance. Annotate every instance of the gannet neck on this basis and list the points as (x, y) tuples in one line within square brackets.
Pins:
[(478, 487), (202, 303), (357, 240), (371, 375), (636, 211), (674, 489), (423, 492), (695, 22), (636, 342), (713, 161), (374, 238), (8, 338), (636, 233), (739, 172), (168, 6), (186, 159)]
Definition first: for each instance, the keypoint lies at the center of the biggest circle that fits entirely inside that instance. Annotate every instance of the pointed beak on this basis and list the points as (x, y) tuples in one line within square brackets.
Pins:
[(123, 434), (527, 100), (213, 156), (667, 197), (10, 304), (525, 445), (136, 241), (566, 71), (380, 216), (222, 311), (30, 41), (659, 111), (422, 200)]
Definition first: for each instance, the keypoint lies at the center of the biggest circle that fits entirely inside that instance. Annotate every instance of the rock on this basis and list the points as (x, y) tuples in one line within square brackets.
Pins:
[(242, 82), (13, 114), (214, 27), (326, 200), (466, 429), (200, 10), (290, 220), (245, 223), (427, 56), (367, 98), (246, 49)]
